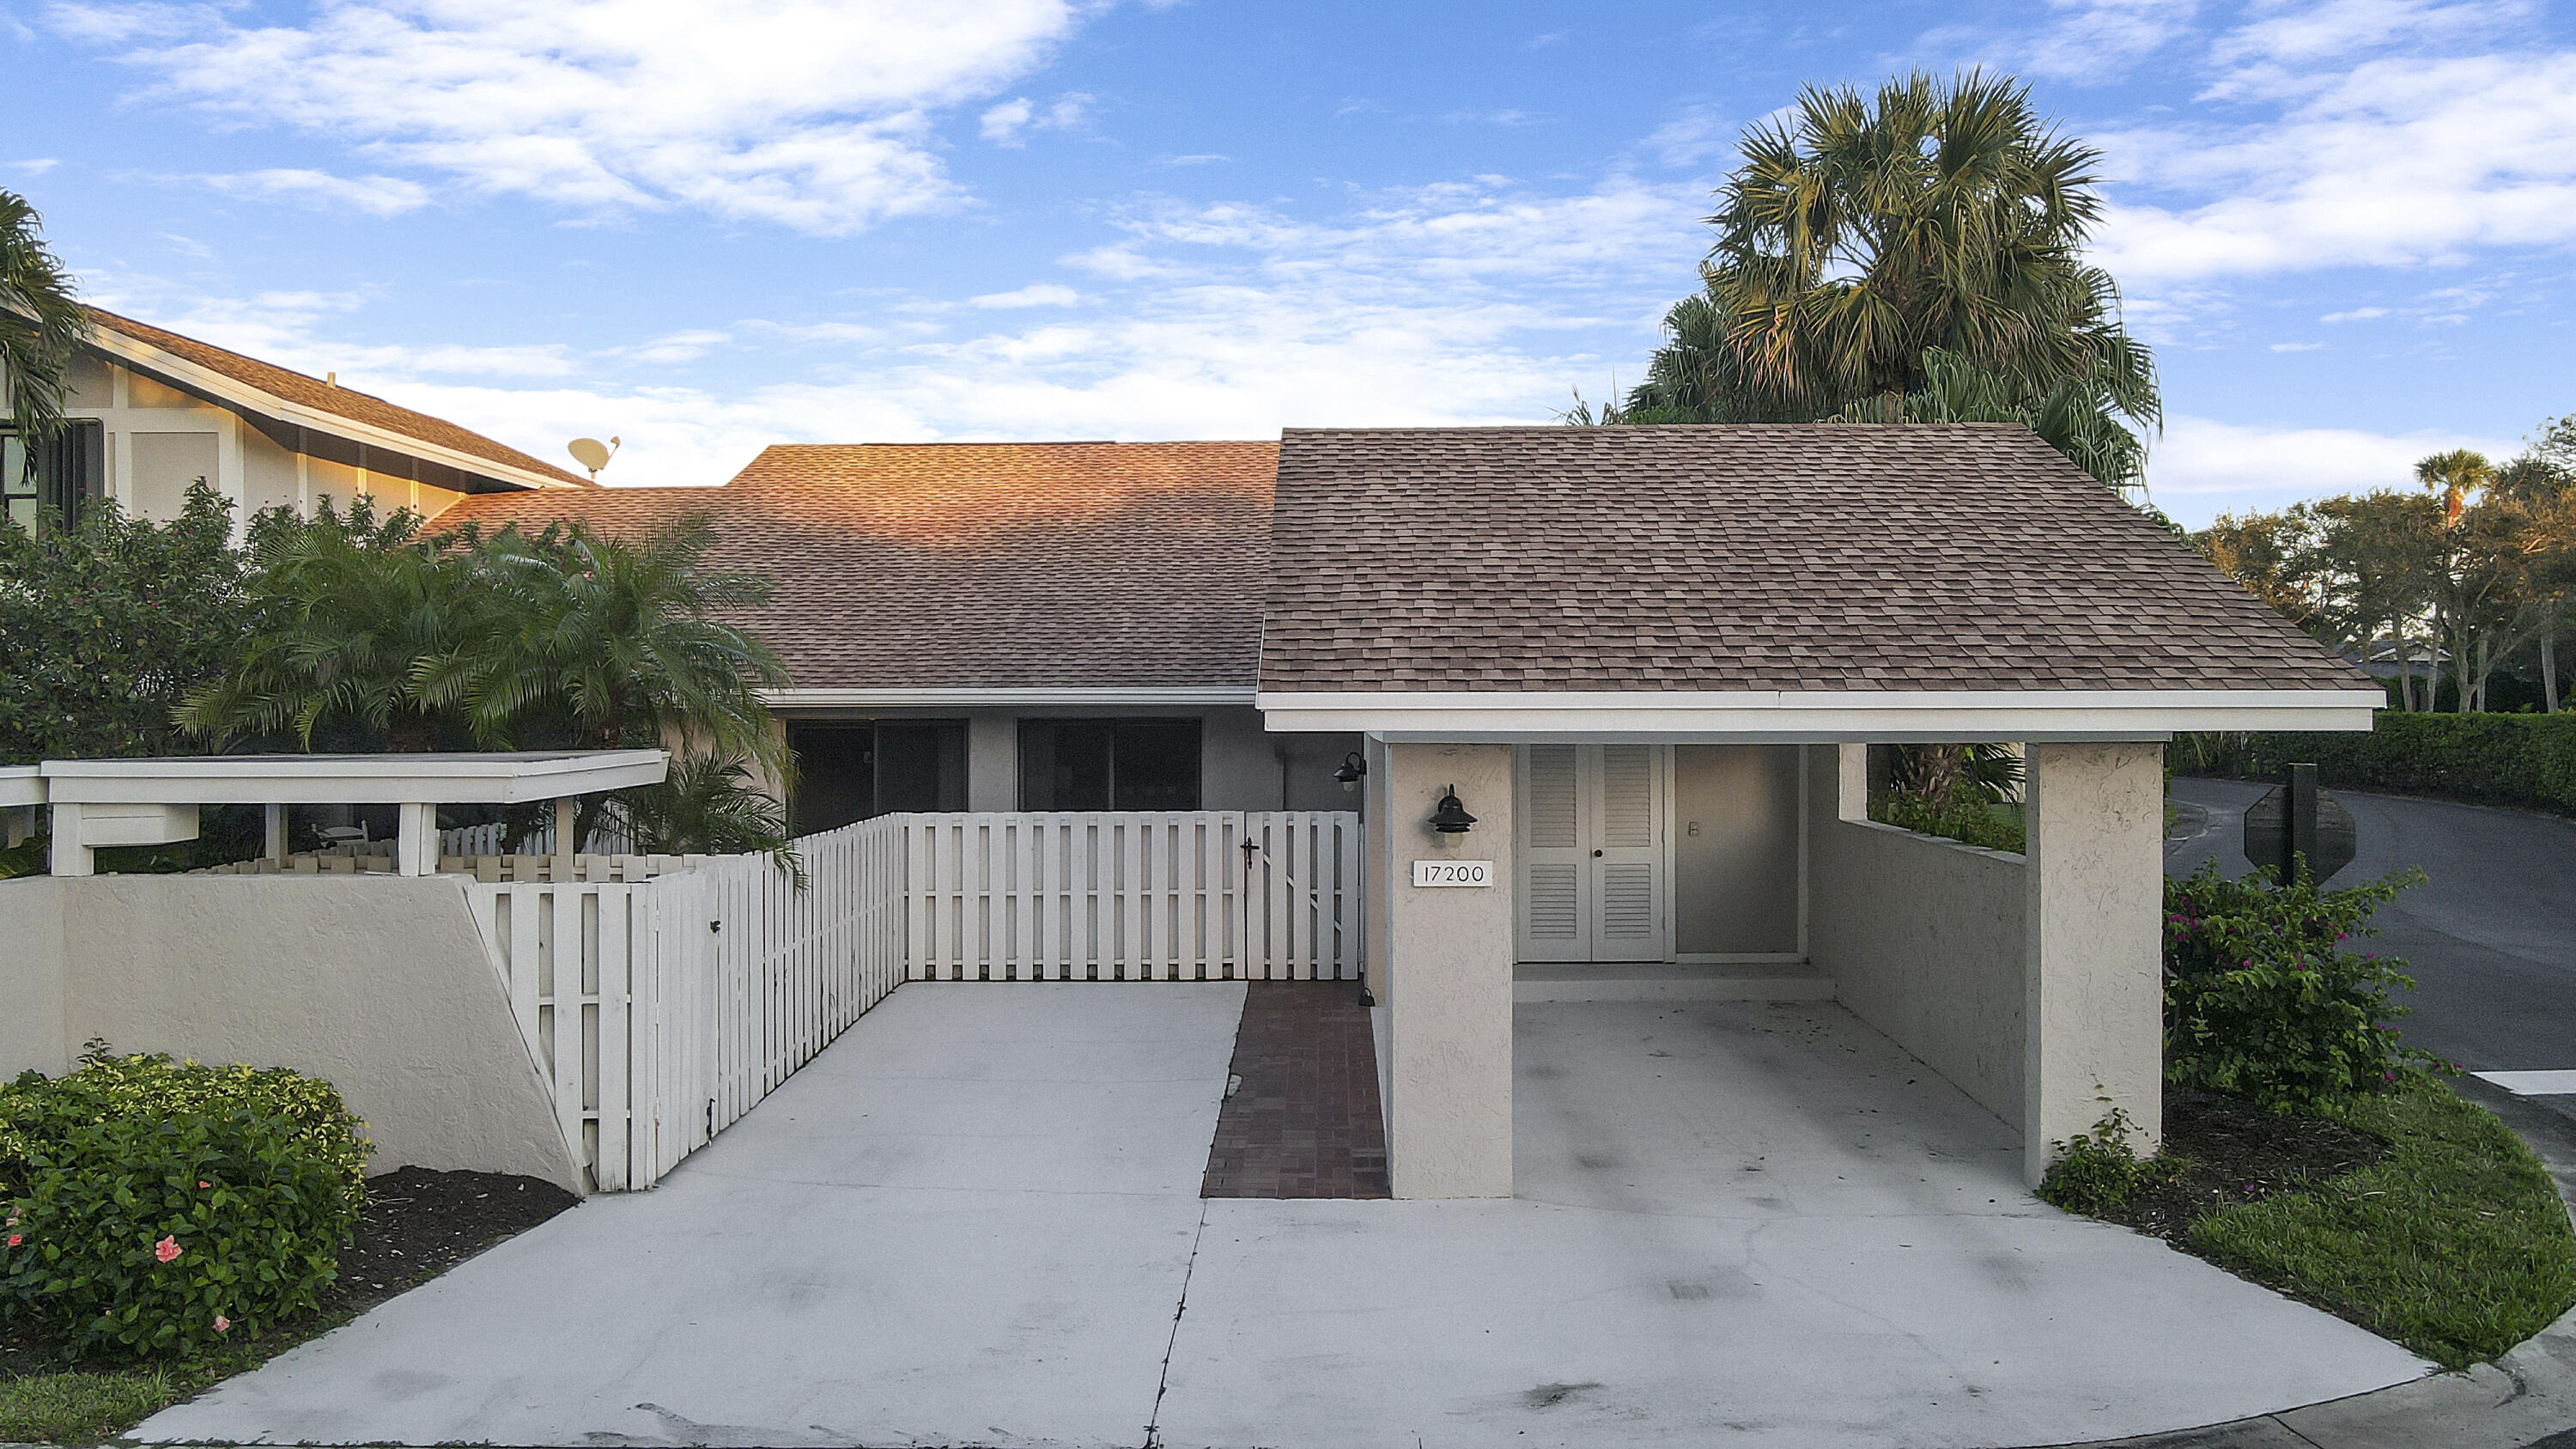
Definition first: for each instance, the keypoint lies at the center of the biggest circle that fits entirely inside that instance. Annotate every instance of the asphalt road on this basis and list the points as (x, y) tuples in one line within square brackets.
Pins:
[(2490, 937)]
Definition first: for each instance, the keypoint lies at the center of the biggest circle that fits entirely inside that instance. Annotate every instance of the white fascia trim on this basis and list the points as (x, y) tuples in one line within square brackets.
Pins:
[(462, 779), (144, 354), (1195, 695), (21, 785), (1819, 716)]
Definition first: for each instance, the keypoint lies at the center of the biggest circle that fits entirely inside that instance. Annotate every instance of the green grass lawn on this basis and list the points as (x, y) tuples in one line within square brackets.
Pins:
[(88, 1403), (2455, 1243)]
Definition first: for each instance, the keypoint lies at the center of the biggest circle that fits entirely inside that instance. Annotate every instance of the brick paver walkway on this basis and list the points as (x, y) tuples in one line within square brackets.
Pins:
[(1305, 1122)]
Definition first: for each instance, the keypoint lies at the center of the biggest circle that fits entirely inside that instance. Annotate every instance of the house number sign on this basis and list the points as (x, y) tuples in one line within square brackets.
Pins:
[(1453, 873)]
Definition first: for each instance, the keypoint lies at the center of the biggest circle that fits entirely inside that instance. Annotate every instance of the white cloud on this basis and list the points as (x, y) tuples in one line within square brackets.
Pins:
[(2296, 346), (1445, 304), (2357, 314), (1692, 137), (2085, 41), (1009, 123), (36, 166), (2290, 35), (813, 114), (374, 195), (2201, 466), (1035, 294), (1209, 158), (2399, 162)]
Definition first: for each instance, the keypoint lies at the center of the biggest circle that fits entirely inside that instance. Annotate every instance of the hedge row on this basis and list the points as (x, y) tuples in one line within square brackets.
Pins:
[(2501, 759)]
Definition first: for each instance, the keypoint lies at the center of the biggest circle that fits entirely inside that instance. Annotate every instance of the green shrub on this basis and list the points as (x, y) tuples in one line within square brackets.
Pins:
[(2504, 759), (159, 1233), (37, 1111), (2265, 1001), (2098, 1172), (1963, 814)]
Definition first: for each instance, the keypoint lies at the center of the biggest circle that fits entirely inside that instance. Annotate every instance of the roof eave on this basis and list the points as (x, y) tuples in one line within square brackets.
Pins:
[(136, 351), (1815, 716)]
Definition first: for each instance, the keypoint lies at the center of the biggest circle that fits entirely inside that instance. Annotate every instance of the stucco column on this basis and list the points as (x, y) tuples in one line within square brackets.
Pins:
[(1449, 1023), (2093, 1020)]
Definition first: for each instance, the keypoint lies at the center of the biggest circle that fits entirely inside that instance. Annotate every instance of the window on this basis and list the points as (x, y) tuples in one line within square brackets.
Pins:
[(1109, 764), (70, 468), (848, 771)]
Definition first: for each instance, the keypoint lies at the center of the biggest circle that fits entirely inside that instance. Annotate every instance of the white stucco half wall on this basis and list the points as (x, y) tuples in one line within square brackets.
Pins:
[(378, 984), (1925, 938)]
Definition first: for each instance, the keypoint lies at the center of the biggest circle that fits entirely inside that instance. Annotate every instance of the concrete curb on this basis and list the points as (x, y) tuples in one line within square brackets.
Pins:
[(2524, 1400)]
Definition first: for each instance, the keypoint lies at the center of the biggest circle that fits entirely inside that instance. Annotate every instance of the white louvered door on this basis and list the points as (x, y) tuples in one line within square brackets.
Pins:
[(1593, 880), (1556, 866), (1627, 856)]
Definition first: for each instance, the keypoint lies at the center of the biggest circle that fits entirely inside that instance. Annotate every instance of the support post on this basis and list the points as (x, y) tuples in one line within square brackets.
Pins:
[(567, 813), (1448, 1093), (416, 839), (273, 819), (2093, 1015), (67, 855)]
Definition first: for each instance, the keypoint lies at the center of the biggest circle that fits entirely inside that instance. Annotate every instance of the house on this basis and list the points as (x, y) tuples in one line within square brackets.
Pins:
[(1647, 661), (152, 412), (1605, 697)]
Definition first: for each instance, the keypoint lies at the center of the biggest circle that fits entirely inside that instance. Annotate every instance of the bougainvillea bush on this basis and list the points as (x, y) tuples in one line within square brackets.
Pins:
[(2266, 997), (156, 1207)]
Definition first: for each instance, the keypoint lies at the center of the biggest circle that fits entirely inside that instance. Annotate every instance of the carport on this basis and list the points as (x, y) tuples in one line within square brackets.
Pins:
[(1536, 629)]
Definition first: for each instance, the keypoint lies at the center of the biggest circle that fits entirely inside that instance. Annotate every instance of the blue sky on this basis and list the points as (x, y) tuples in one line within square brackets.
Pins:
[(2345, 225)]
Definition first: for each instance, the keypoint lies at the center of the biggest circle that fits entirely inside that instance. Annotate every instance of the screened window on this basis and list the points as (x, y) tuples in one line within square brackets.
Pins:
[(856, 771), (1109, 764), (68, 469)]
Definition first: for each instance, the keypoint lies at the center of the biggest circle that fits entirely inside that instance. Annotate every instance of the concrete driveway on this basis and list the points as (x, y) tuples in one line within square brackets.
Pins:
[(974, 1221)]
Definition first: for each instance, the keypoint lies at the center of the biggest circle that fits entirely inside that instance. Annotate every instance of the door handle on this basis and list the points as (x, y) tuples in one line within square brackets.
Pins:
[(1596, 855)]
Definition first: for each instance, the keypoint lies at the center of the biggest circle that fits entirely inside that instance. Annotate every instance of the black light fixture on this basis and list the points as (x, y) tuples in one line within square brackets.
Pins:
[(1352, 770), (1450, 816)]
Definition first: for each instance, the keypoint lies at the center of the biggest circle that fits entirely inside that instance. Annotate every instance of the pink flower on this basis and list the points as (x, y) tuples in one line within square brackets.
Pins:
[(16, 1238), (166, 1249), (201, 1182), (223, 1324)]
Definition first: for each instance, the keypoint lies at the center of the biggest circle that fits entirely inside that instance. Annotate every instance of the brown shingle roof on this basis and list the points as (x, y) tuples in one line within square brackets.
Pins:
[(313, 392), (1795, 557), (981, 565)]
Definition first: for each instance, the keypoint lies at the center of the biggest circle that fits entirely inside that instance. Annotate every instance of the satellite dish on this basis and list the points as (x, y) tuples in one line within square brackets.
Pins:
[(593, 454)]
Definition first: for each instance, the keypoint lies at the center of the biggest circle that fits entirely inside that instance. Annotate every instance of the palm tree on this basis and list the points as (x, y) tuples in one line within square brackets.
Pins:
[(41, 324), (2455, 475), (610, 642), (343, 608), (1875, 250)]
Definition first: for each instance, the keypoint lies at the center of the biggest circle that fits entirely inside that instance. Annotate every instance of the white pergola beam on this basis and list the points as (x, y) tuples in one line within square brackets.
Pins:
[(154, 802)]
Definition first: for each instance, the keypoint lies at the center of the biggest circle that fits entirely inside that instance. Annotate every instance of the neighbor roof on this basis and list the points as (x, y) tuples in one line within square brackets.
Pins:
[(268, 381), (1812, 557), (949, 566)]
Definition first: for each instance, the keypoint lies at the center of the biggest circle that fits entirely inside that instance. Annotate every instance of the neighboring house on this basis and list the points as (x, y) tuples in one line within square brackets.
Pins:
[(152, 412)]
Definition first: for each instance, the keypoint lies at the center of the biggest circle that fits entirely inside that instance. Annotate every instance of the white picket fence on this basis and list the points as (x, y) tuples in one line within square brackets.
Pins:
[(1199, 895), (661, 998)]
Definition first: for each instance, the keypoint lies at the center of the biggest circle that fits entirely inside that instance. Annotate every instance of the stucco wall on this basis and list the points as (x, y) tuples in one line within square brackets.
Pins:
[(379, 984), (32, 976), (1925, 938)]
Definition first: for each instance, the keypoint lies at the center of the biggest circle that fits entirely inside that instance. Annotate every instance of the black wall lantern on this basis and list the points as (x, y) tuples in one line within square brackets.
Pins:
[(1450, 816), (1352, 770)]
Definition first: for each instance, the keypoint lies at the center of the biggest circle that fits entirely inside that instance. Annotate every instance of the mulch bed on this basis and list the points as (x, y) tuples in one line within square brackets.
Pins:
[(417, 1224), (2238, 1153), (1303, 1121)]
